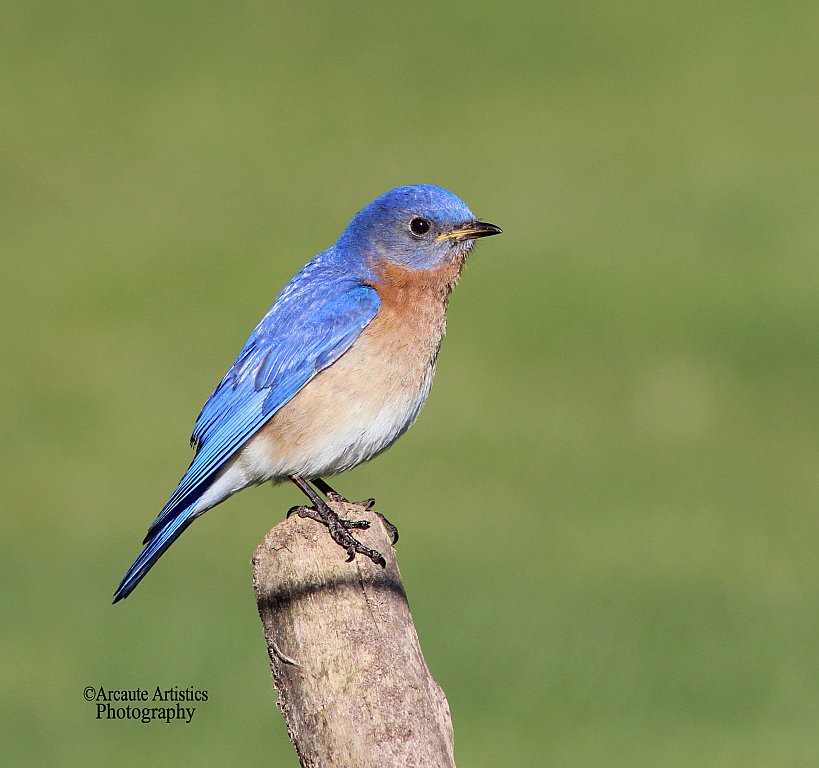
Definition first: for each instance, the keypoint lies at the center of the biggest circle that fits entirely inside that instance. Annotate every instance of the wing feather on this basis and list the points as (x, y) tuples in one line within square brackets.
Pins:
[(314, 321)]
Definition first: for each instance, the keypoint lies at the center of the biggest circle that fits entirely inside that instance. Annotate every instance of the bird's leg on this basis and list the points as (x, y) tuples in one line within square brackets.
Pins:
[(338, 527), (367, 504)]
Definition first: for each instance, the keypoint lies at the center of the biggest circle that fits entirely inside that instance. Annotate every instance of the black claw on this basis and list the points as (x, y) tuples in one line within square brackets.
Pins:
[(391, 529), (356, 547), (374, 555)]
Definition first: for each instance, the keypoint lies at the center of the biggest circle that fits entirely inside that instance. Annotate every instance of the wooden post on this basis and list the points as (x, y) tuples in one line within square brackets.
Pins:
[(353, 686)]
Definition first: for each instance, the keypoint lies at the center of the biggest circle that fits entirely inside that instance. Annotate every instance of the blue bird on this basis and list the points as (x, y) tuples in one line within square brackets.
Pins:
[(335, 372)]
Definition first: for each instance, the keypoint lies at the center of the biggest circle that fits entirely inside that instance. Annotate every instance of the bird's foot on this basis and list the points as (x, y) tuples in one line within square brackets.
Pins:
[(341, 536), (367, 504), (314, 514), (339, 530)]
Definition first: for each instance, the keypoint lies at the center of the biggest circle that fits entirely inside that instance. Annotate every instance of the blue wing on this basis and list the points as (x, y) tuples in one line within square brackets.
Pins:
[(312, 323)]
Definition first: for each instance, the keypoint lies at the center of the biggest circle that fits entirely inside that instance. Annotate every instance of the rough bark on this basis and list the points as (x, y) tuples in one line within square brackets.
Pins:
[(353, 686)]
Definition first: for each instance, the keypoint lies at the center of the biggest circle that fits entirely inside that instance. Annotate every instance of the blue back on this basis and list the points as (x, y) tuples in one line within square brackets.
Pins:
[(313, 322)]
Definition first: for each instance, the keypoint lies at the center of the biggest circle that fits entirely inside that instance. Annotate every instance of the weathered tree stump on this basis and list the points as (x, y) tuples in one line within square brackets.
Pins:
[(353, 685)]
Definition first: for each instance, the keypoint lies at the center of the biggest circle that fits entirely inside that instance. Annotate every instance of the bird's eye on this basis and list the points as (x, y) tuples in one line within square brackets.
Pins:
[(419, 226)]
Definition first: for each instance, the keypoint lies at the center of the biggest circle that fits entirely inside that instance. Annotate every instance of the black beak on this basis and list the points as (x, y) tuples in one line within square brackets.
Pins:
[(471, 231)]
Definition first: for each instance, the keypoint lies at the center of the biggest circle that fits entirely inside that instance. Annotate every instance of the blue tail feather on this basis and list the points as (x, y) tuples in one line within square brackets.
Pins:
[(156, 545)]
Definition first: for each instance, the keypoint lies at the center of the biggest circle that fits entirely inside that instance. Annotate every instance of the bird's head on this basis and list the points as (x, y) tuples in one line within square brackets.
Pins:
[(419, 227)]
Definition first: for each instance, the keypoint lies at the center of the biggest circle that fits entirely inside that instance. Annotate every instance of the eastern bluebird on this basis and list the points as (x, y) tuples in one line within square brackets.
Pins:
[(335, 372)]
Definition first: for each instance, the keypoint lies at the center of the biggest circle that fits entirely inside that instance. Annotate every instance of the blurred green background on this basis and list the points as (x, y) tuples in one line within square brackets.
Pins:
[(608, 507)]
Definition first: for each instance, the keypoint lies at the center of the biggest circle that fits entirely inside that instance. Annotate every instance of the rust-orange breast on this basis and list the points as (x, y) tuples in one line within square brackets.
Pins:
[(360, 405)]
